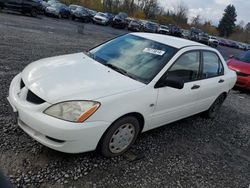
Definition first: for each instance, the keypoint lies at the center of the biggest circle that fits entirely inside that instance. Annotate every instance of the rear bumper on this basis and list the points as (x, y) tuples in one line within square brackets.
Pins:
[(52, 132)]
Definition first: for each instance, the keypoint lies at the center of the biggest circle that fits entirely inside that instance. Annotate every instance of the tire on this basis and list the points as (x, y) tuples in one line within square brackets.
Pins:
[(119, 137), (211, 113), (59, 15), (33, 12)]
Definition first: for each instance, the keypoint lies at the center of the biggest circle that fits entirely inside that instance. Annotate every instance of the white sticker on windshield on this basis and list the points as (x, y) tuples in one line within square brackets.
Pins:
[(154, 51)]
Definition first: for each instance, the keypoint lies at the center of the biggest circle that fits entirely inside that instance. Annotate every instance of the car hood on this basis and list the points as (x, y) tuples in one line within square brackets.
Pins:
[(101, 17), (239, 66), (74, 77)]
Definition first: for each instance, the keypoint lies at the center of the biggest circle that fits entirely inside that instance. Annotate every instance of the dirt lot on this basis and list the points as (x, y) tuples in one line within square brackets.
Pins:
[(193, 152)]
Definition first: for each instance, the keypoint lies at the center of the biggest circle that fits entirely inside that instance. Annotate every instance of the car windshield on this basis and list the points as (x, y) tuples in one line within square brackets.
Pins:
[(101, 14), (134, 56), (73, 7), (57, 5), (151, 25), (164, 27), (245, 57)]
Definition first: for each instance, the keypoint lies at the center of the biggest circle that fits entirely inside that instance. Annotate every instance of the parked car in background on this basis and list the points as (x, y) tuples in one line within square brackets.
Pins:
[(163, 29), (91, 12), (150, 27), (223, 42), (81, 13), (101, 18), (241, 65), (134, 25), (203, 38), (213, 41), (119, 20), (232, 44), (194, 33), (110, 17), (58, 10), (242, 46), (73, 7), (165, 79), (186, 34), (23, 6), (175, 31)]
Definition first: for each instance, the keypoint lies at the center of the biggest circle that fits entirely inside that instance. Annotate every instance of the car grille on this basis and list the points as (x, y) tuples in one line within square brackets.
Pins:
[(33, 98), (242, 74)]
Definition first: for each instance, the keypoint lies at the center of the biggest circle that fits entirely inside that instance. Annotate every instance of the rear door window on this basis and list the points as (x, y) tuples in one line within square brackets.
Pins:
[(212, 65)]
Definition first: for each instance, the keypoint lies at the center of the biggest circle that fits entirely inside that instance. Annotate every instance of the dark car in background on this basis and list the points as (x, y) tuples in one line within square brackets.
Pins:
[(110, 17), (119, 20), (134, 25), (150, 27), (31, 7), (80, 13), (58, 10), (175, 31), (223, 42)]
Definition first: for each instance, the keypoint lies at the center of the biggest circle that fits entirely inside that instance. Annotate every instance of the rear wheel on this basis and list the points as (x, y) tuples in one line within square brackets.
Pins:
[(120, 136), (214, 109)]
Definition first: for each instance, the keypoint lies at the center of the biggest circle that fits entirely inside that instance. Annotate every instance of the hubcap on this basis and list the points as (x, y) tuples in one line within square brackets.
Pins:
[(122, 138)]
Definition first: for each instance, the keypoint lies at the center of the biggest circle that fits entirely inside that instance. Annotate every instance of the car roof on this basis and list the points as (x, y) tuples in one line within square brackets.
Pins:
[(168, 40)]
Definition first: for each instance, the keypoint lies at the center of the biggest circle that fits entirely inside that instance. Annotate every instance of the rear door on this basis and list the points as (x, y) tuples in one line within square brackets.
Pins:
[(213, 82)]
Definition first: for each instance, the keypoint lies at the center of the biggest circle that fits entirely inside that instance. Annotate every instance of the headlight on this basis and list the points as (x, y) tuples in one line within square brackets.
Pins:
[(74, 111)]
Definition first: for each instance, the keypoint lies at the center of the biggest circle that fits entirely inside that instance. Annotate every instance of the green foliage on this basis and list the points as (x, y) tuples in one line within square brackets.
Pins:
[(227, 23)]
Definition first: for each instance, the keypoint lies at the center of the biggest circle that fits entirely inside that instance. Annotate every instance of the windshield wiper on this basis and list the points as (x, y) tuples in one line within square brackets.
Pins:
[(122, 71)]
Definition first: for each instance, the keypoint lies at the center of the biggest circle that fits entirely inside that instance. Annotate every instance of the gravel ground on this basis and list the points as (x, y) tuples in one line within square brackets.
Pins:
[(193, 152)]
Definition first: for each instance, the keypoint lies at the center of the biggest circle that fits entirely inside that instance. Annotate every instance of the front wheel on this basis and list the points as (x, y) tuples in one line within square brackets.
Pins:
[(215, 107), (120, 136)]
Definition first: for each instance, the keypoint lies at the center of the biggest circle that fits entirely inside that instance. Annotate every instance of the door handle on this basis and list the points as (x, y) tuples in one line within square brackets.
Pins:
[(195, 87), (221, 81)]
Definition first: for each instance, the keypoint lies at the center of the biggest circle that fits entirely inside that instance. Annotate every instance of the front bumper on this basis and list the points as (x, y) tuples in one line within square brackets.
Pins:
[(103, 22), (52, 132)]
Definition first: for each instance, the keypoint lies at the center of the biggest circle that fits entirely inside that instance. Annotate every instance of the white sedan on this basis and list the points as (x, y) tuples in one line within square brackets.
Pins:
[(104, 98)]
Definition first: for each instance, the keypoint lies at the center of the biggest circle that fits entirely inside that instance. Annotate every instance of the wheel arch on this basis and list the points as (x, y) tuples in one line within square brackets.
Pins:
[(137, 115)]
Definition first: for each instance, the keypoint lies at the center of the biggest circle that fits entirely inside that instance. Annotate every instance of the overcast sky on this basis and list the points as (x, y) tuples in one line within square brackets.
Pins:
[(212, 9)]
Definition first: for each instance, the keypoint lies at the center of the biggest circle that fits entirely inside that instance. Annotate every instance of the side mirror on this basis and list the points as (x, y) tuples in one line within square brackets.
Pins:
[(231, 56), (170, 81), (174, 82)]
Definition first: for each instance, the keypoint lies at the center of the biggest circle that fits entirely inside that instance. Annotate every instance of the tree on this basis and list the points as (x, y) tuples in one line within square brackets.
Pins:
[(181, 12), (247, 27), (227, 22), (196, 21)]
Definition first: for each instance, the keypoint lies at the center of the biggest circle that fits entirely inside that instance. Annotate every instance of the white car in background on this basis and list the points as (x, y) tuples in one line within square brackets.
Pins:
[(104, 98), (163, 29), (101, 18), (213, 41)]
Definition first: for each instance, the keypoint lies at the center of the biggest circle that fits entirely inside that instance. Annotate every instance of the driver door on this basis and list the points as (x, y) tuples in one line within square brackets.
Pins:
[(174, 104)]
